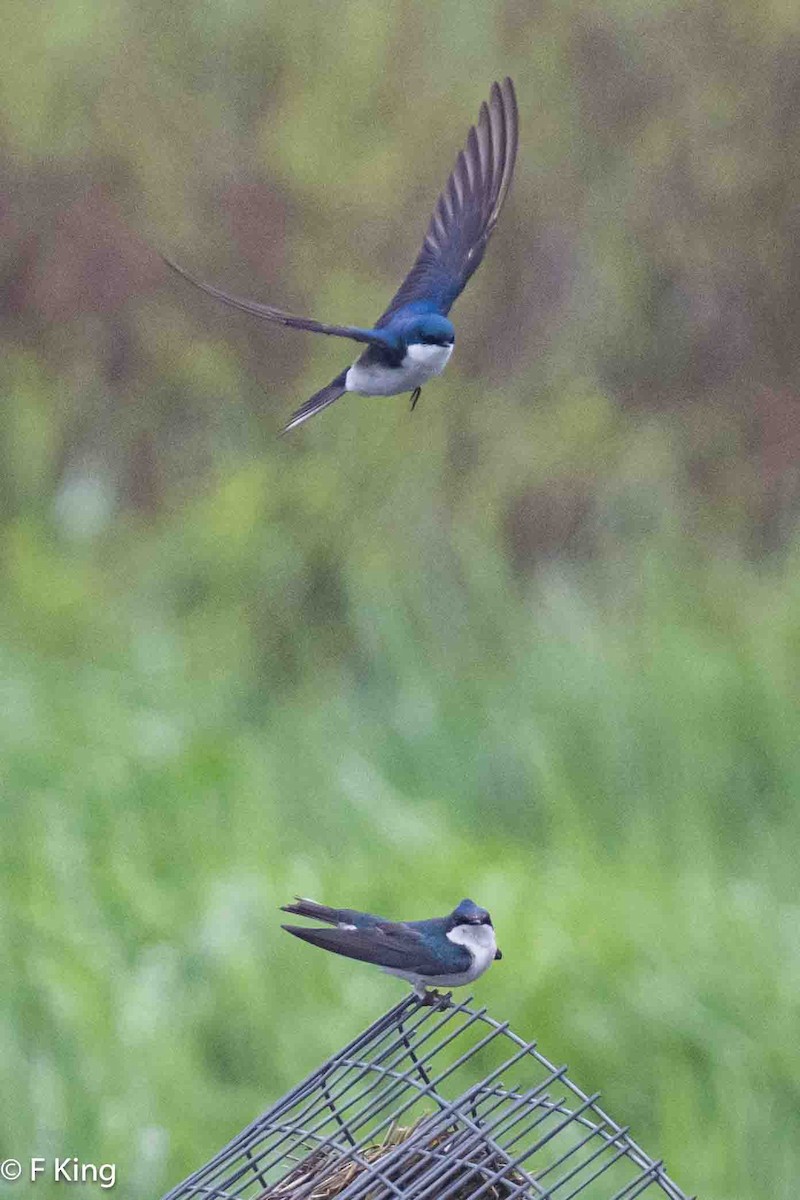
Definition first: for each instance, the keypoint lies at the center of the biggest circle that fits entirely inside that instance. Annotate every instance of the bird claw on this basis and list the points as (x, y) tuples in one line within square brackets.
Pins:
[(415, 395), (437, 999)]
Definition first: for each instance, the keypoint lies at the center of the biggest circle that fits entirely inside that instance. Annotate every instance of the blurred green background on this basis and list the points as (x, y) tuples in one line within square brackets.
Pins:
[(538, 644)]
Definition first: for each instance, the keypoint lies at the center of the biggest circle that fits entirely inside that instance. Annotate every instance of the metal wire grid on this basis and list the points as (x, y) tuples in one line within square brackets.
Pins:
[(433, 1104)]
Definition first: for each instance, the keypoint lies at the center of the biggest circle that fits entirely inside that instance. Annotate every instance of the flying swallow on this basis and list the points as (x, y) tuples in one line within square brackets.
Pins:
[(441, 952), (413, 339)]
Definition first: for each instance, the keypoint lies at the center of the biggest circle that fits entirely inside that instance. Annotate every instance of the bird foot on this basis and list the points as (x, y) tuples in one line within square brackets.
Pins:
[(415, 395), (437, 999)]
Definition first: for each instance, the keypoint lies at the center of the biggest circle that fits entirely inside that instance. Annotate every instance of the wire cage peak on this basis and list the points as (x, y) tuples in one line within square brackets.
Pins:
[(433, 1103)]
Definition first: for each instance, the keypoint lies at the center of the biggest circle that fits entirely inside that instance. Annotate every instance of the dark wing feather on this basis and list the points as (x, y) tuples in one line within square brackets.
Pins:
[(268, 313), (467, 210), (390, 945)]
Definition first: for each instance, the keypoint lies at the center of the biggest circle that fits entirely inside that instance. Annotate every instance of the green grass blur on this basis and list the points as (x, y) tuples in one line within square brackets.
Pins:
[(538, 644)]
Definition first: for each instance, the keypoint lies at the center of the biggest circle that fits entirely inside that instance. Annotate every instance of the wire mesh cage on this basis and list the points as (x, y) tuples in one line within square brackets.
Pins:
[(433, 1104)]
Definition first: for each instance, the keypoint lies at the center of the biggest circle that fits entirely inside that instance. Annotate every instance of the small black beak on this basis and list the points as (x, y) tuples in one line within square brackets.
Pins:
[(498, 954)]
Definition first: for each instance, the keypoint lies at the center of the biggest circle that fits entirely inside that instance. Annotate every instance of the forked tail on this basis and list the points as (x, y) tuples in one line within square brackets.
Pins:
[(304, 907), (318, 401)]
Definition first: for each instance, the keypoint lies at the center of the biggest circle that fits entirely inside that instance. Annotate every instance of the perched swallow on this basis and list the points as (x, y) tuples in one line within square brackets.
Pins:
[(413, 340), (441, 952)]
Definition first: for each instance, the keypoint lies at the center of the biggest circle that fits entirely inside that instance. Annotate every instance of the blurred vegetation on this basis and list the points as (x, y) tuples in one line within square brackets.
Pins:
[(538, 644)]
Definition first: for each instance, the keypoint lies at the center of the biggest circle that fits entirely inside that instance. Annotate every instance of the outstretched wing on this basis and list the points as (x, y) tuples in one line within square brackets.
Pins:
[(268, 313), (390, 945), (467, 210)]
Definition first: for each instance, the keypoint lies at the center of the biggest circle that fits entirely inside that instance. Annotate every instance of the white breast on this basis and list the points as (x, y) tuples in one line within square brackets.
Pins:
[(481, 943), (420, 364), (479, 940), (430, 358)]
